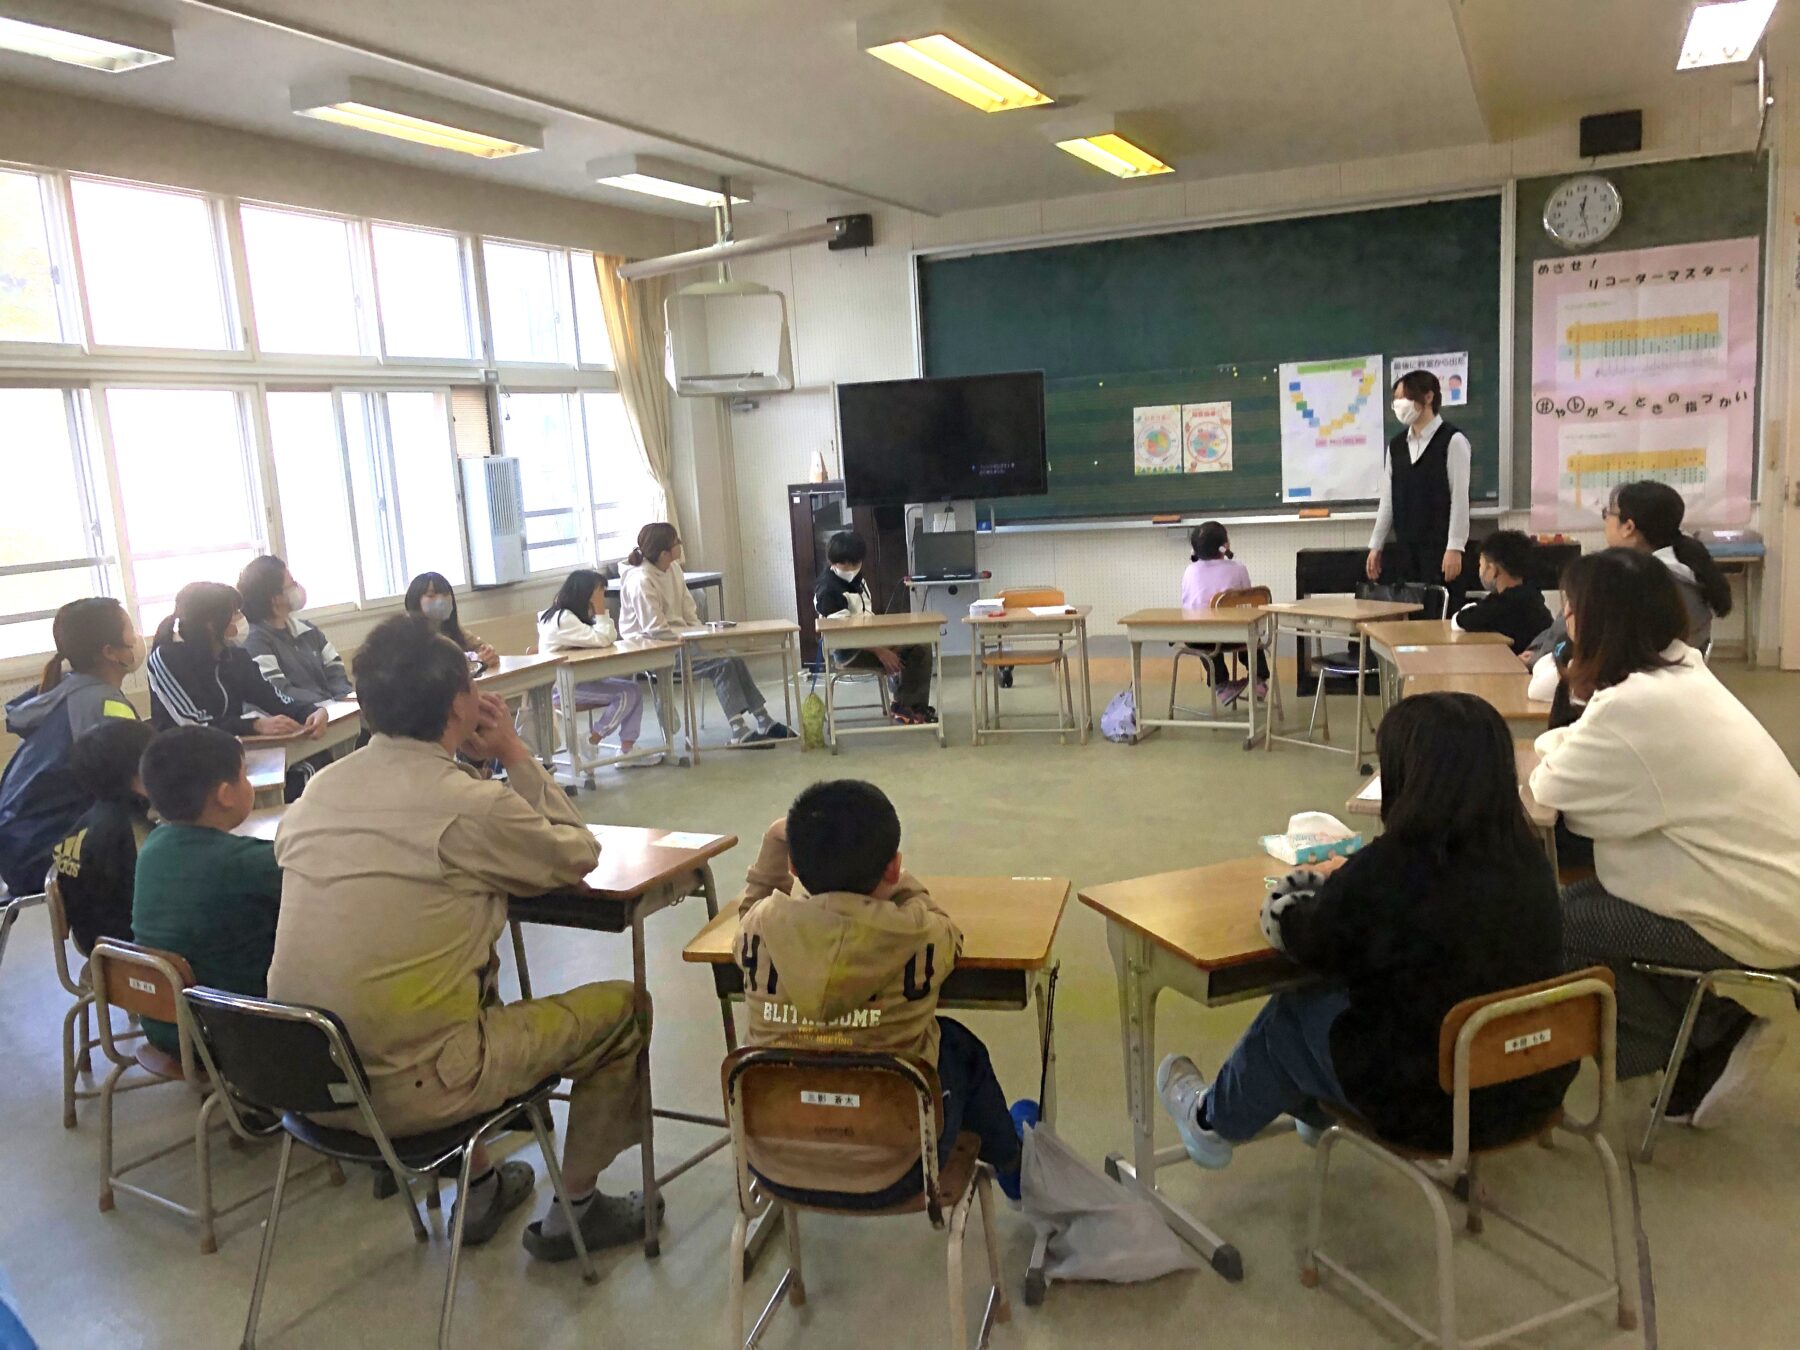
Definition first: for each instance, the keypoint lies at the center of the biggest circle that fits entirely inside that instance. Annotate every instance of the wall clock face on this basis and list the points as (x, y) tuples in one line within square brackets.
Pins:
[(1582, 212)]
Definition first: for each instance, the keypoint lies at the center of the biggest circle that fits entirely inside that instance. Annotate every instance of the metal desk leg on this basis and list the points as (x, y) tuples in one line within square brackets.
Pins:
[(787, 686), (976, 712), (1362, 659), (646, 1104), (1087, 683), (662, 715), (937, 684), (521, 967), (687, 699), (828, 670), (1137, 689), (709, 892), (1752, 613), (1043, 992)]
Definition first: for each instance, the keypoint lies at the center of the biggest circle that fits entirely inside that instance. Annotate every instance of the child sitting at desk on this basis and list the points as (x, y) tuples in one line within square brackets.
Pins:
[(96, 864), (1211, 571), (842, 589), (203, 892), (1455, 899), (431, 594), (1512, 605), (855, 956), (577, 621), (654, 602)]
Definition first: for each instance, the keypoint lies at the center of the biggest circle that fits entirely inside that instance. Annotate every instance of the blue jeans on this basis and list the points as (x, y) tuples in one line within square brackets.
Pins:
[(1281, 1066)]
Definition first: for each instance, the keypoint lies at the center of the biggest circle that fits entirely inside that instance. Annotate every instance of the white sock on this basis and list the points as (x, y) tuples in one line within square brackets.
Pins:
[(740, 725), (556, 1223), (763, 720)]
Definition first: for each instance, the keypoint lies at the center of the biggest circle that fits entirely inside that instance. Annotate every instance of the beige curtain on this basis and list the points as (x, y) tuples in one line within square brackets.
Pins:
[(635, 327)]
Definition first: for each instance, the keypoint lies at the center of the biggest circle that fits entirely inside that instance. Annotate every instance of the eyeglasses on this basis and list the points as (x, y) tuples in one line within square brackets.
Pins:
[(1609, 513)]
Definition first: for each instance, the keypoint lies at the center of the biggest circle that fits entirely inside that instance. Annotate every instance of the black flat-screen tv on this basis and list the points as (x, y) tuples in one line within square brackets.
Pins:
[(965, 437)]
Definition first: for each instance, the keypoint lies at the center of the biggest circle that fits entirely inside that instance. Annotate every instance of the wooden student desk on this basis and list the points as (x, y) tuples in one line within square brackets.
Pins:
[(266, 767), (1388, 635), (1525, 757), (859, 632), (1491, 673), (343, 723), (1009, 927), (1022, 623), (261, 823), (626, 658), (758, 637), (1248, 626), (1195, 932), (1342, 616), (640, 873), (529, 679)]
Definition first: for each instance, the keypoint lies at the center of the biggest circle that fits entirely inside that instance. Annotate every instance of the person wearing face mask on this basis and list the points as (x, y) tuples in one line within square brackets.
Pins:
[(200, 674), (431, 594), (1424, 493), (40, 796), (841, 589), (295, 658)]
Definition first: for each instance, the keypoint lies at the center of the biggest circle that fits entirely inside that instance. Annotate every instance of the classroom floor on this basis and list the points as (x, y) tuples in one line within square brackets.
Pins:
[(1718, 1209)]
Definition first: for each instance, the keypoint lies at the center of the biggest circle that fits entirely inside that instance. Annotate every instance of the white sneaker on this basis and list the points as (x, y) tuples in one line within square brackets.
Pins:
[(1750, 1059), (1181, 1085), (1309, 1133)]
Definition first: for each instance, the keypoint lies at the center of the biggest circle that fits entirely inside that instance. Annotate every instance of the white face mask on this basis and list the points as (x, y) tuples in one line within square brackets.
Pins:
[(846, 574), (236, 632), (1406, 412), (296, 598), (437, 607)]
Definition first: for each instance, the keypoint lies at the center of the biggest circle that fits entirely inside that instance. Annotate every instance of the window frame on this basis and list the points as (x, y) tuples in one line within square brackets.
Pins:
[(475, 323), (65, 279), (362, 281), (579, 472)]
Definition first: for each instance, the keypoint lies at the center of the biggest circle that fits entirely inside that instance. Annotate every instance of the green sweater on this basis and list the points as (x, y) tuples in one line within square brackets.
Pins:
[(213, 898)]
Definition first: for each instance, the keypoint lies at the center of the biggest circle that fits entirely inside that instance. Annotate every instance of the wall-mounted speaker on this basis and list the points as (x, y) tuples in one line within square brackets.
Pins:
[(1613, 133)]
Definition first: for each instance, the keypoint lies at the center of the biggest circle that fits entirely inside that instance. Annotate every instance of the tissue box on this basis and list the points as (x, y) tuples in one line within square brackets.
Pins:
[(1312, 837), (987, 607)]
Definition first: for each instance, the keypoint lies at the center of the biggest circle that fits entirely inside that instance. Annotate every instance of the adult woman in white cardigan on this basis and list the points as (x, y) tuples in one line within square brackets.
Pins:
[(577, 621), (1695, 816), (654, 602)]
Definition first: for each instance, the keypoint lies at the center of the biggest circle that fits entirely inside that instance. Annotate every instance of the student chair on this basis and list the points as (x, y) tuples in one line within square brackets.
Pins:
[(1705, 982), (1498, 1038), (148, 983), (11, 906), (1001, 662), (77, 1049), (836, 675), (1211, 655), (807, 1123), (299, 1062)]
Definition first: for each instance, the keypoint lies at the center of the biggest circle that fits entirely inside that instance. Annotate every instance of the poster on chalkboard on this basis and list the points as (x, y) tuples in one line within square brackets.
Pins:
[(1156, 439), (1332, 430), (1206, 437), (1451, 368)]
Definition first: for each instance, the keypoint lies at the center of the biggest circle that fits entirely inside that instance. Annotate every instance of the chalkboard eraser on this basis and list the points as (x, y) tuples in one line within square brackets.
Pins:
[(1172, 518), (1315, 513)]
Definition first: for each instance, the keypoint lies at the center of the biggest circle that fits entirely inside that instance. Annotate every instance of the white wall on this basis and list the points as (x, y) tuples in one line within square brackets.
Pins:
[(852, 319)]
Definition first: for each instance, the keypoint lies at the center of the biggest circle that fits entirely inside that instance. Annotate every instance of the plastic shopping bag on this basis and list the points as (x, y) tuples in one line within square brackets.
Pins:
[(1119, 721), (1098, 1229), (812, 721)]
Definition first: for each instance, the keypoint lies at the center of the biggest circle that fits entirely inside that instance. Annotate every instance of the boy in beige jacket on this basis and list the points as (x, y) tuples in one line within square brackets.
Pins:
[(843, 949)]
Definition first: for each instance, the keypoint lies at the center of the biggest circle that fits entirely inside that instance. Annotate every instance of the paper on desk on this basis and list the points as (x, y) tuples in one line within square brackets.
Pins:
[(1050, 611), (1371, 790), (683, 839), (694, 632)]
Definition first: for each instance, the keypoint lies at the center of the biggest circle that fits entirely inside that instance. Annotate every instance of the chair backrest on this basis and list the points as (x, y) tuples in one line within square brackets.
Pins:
[(144, 982), (59, 935), (1242, 596), (278, 1056), (845, 1121), (1022, 597)]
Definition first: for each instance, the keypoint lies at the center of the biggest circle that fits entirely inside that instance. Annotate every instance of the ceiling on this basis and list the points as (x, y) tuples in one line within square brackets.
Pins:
[(777, 92)]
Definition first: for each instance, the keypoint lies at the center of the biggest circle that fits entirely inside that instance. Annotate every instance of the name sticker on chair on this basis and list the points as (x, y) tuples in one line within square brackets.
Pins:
[(142, 986), (1536, 1038), (848, 1100)]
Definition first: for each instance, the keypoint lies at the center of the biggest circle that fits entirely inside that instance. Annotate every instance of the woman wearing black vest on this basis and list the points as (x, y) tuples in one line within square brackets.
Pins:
[(1425, 492)]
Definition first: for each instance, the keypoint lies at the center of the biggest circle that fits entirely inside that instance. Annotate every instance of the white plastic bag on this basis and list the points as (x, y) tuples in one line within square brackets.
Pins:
[(1098, 1229)]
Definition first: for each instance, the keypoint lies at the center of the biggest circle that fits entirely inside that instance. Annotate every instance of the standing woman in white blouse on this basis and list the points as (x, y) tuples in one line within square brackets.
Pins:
[(1424, 492), (1695, 816)]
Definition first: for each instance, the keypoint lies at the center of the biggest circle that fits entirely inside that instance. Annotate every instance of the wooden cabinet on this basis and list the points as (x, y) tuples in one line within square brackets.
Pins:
[(816, 511)]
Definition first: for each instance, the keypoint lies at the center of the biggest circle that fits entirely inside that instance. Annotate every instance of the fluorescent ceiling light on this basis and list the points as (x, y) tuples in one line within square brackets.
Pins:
[(424, 119), (1115, 154), (666, 179), (1724, 34), (933, 45), (80, 34)]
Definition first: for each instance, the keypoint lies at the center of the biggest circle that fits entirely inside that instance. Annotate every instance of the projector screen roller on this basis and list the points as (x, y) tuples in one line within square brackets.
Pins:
[(971, 437)]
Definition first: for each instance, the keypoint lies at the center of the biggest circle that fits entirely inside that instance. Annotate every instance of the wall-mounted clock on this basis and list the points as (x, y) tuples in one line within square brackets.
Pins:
[(1583, 211)]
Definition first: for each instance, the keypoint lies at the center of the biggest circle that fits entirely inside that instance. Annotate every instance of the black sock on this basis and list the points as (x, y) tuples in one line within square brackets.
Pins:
[(1201, 1118)]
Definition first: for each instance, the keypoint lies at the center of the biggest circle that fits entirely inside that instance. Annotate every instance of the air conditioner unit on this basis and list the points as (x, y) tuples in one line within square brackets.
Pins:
[(494, 516)]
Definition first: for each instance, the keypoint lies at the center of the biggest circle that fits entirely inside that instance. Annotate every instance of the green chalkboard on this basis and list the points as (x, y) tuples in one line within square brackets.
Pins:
[(1202, 315)]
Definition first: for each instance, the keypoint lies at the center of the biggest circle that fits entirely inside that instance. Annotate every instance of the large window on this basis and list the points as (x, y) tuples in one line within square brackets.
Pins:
[(403, 477), (529, 303), (51, 543), (183, 464), (151, 261), (539, 430), (590, 318), (29, 308), (625, 498), (422, 277), (303, 283), (319, 544)]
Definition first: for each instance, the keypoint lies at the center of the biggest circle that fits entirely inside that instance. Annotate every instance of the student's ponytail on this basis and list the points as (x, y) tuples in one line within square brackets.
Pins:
[(1715, 588), (82, 630), (635, 558), (1657, 510), (654, 540)]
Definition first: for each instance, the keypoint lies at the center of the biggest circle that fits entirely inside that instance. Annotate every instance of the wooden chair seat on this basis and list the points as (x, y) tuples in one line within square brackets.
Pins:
[(157, 1061), (953, 1179), (1021, 658)]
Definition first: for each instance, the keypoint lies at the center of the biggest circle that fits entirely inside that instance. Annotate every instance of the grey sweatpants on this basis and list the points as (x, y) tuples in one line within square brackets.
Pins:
[(1599, 929), (733, 684)]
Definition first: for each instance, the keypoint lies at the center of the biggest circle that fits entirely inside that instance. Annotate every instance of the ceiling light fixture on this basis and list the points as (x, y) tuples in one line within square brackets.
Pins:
[(665, 178), (423, 119), (924, 45), (1108, 142), (80, 34), (1724, 34)]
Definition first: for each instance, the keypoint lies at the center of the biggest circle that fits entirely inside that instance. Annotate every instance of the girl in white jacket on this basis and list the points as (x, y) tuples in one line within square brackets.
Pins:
[(577, 621), (1694, 813)]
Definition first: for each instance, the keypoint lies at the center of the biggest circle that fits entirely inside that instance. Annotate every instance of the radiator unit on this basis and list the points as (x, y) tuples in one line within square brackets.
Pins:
[(494, 515)]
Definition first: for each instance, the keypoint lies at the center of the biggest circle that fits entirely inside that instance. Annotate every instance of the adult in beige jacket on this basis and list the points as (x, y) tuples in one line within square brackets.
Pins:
[(397, 864)]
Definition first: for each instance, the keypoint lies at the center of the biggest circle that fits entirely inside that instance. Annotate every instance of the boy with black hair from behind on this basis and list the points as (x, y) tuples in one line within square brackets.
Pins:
[(841, 948), (96, 864), (1512, 605)]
